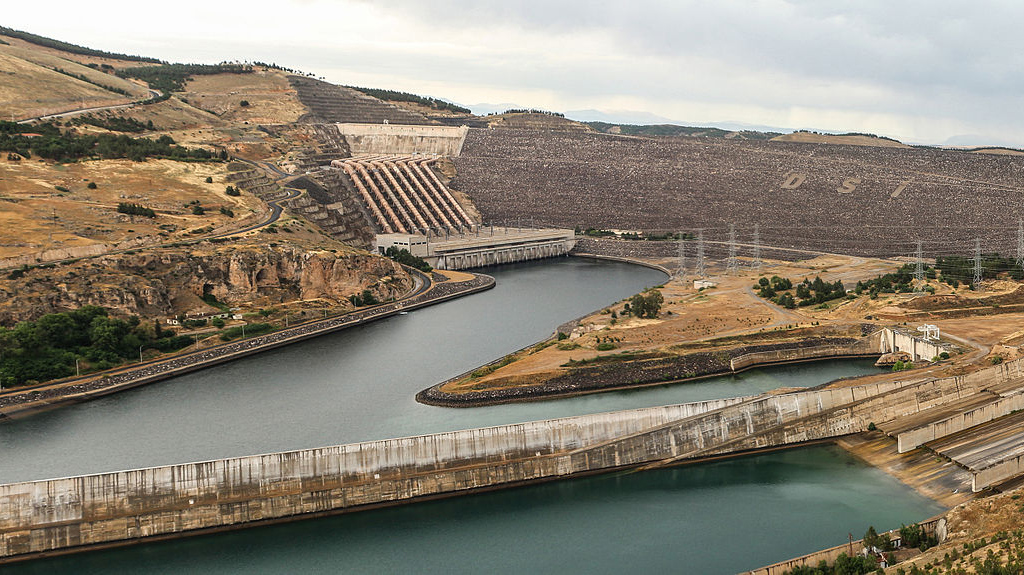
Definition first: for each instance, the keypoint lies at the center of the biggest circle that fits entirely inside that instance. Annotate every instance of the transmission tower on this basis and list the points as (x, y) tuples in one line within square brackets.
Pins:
[(1020, 244), (977, 263), (731, 265), (681, 273), (919, 266), (702, 270), (756, 263)]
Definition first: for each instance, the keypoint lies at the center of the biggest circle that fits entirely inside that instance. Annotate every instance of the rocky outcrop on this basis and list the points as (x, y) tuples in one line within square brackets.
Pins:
[(169, 282)]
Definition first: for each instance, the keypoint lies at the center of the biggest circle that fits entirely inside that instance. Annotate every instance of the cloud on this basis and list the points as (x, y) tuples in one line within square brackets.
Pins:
[(918, 70)]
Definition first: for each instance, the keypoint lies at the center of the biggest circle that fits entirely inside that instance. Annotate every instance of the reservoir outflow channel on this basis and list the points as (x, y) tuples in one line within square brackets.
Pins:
[(359, 384)]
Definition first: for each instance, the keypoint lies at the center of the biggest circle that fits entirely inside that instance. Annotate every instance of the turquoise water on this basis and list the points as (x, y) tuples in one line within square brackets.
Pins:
[(721, 517)]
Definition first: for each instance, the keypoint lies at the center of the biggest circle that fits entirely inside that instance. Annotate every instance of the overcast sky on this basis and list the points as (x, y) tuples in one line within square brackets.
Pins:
[(930, 71)]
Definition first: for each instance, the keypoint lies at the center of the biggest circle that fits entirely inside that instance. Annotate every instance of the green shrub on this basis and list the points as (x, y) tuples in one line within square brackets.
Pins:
[(605, 346)]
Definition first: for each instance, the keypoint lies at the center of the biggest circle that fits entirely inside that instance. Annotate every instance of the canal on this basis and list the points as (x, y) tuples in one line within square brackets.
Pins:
[(359, 384)]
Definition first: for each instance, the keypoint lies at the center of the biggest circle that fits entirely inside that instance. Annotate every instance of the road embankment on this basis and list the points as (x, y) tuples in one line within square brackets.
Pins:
[(22, 402)]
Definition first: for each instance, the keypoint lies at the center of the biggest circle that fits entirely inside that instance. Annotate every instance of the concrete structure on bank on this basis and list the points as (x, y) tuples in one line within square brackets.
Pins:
[(918, 346), (404, 139), (61, 514), (482, 247)]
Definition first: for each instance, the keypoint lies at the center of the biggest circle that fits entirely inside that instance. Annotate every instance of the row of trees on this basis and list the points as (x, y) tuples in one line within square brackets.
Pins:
[(135, 210), (646, 304), (47, 141), (960, 269), (807, 292), (113, 123), (404, 257), (172, 77), (72, 48), (393, 96), (36, 351)]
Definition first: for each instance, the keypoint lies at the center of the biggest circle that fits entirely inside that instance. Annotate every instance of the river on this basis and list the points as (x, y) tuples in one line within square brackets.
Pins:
[(359, 384)]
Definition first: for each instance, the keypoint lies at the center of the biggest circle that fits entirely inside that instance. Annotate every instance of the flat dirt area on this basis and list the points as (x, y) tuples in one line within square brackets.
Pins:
[(690, 318), (30, 200), (271, 98)]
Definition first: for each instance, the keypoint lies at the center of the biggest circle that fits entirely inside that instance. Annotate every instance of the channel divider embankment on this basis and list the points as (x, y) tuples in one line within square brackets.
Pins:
[(94, 386)]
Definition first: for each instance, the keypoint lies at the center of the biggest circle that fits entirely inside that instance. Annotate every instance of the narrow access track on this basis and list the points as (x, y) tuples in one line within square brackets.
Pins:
[(27, 400)]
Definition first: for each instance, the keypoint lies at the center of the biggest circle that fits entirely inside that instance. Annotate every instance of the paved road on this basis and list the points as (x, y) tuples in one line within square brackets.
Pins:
[(153, 94)]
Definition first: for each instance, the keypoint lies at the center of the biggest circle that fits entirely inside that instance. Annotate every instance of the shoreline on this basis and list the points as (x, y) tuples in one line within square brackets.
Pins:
[(98, 385), (433, 395)]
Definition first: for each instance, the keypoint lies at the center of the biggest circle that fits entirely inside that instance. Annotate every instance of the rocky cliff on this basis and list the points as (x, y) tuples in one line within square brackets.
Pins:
[(168, 282)]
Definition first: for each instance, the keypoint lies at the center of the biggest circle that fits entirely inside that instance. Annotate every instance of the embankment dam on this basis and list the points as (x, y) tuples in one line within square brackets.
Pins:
[(62, 515)]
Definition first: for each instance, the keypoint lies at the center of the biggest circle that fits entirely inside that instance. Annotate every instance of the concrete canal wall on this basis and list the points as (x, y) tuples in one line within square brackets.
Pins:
[(62, 514)]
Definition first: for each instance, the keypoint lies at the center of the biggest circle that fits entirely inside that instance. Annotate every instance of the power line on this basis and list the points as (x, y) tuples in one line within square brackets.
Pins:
[(681, 273), (756, 264), (702, 270), (919, 265), (731, 265), (977, 263)]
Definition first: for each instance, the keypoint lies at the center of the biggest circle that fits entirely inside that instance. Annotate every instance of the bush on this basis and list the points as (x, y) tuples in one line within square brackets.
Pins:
[(244, 103), (605, 346), (209, 180), (198, 210), (91, 185), (135, 210), (232, 191)]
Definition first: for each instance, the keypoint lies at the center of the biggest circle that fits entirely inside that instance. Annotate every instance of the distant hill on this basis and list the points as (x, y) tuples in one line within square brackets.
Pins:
[(672, 130), (851, 139), (72, 48)]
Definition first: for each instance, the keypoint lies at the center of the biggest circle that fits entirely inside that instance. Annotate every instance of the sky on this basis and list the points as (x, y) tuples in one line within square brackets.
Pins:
[(932, 72)]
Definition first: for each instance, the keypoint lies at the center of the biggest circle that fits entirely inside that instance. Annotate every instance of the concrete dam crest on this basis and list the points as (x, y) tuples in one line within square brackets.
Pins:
[(116, 508)]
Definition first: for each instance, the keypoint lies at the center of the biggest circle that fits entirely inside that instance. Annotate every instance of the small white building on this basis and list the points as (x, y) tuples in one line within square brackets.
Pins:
[(416, 244), (703, 284)]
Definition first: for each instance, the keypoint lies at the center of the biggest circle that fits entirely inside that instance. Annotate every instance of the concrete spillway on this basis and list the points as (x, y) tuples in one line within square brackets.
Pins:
[(111, 508)]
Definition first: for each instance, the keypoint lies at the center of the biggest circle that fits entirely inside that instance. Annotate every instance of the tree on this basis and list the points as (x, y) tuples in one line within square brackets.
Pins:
[(209, 180), (646, 304), (198, 210), (91, 185)]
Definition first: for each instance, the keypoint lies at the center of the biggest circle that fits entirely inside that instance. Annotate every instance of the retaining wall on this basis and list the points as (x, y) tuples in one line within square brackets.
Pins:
[(793, 355), (53, 515), (913, 438), (404, 139), (935, 526)]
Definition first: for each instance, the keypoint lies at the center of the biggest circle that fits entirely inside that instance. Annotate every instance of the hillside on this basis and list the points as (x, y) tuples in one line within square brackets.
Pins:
[(842, 139), (673, 130), (44, 81)]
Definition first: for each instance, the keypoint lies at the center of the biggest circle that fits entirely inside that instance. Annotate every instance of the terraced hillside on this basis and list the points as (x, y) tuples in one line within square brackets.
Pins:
[(330, 103), (849, 199)]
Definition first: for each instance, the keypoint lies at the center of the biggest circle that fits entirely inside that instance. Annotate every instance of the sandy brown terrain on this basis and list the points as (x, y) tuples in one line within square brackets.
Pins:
[(52, 91), (692, 319), (36, 216), (271, 98)]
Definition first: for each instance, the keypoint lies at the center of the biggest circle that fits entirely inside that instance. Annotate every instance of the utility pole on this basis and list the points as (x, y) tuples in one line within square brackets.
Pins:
[(731, 265), (756, 264), (681, 274), (919, 267), (1020, 243), (977, 263), (702, 270)]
